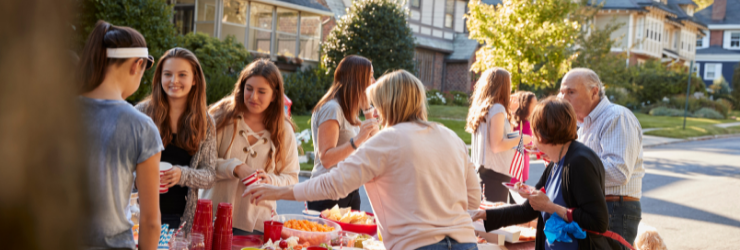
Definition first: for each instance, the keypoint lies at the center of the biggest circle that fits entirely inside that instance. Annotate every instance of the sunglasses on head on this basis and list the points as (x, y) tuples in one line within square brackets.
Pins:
[(149, 62)]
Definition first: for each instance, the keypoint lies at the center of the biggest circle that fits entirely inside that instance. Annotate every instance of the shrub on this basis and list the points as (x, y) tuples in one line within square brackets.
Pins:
[(305, 88), (459, 98), (708, 113), (735, 93), (622, 97), (222, 61), (664, 111), (434, 97), (376, 29), (152, 18), (721, 106)]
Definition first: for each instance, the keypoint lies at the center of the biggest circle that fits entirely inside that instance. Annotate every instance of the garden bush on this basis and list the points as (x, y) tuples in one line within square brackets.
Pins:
[(376, 29), (708, 113), (721, 106), (622, 97), (664, 111), (459, 98), (434, 97), (222, 61), (305, 88)]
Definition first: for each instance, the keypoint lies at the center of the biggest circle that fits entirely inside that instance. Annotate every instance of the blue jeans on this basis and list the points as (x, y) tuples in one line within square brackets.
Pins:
[(450, 244), (624, 217)]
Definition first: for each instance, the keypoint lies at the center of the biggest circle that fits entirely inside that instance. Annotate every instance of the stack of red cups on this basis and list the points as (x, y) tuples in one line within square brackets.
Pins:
[(203, 221), (222, 231)]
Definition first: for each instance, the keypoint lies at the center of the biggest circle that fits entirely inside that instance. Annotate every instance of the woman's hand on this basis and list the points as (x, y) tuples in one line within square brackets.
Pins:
[(263, 177), (513, 103), (539, 201), (242, 171), (261, 192), (171, 177), (368, 128), (477, 214)]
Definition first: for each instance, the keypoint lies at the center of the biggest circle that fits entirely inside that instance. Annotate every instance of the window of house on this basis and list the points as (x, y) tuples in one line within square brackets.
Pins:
[(415, 3), (712, 70), (260, 27), (449, 12), (234, 21), (675, 40), (699, 41), (184, 18), (310, 39), (206, 20), (287, 32), (735, 40), (424, 60)]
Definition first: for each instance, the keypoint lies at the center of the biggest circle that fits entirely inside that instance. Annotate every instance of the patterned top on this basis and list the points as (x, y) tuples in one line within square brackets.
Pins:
[(614, 133), (201, 174)]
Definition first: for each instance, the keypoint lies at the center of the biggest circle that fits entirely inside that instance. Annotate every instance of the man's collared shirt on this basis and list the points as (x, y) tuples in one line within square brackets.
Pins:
[(615, 134)]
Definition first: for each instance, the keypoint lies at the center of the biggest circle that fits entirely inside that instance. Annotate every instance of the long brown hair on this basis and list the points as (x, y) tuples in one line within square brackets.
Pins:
[(193, 124), (493, 87), (94, 59), (351, 79), (525, 101), (275, 118)]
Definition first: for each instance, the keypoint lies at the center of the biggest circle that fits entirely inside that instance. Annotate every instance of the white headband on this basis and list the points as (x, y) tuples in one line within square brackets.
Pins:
[(128, 52)]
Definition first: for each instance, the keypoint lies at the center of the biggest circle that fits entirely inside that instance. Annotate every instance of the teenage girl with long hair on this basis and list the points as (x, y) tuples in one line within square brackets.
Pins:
[(253, 136), (488, 120), (335, 124), (121, 140), (177, 106), (527, 100)]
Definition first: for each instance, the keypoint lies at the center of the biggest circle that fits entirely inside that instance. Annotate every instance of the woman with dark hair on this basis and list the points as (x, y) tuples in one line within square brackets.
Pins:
[(335, 126), (573, 183), (488, 120), (177, 106), (121, 140), (526, 100), (253, 136)]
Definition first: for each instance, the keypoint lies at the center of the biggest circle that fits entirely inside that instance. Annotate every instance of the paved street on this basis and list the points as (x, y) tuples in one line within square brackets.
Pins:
[(690, 193)]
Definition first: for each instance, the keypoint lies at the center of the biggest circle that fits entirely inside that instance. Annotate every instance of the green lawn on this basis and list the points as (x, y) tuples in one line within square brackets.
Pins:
[(448, 112), (693, 131), (649, 121)]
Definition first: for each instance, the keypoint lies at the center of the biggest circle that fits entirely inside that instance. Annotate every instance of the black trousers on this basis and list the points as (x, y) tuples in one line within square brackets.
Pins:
[(494, 190), (352, 200)]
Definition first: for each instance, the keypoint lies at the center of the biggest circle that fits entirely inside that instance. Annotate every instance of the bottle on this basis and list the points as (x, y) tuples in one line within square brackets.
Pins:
[(197, 242)]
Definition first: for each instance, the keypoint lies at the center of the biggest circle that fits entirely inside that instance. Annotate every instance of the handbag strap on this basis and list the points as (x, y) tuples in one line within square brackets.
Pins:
[(613, 236)]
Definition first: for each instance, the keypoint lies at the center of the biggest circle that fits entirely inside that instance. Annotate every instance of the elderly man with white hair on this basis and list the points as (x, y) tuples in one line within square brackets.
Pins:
[(614, 133)]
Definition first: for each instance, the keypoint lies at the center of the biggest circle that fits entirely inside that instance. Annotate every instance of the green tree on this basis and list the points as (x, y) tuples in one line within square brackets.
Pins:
[(222, 61), (531, 39), (375, 29), (736, 87), (150, 17)]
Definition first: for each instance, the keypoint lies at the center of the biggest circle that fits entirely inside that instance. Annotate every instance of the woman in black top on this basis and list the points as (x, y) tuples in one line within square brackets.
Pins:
[(573, 183)]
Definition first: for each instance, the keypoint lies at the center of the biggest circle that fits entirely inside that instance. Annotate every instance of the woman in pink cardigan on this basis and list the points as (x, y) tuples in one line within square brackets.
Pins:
[(418, 176)]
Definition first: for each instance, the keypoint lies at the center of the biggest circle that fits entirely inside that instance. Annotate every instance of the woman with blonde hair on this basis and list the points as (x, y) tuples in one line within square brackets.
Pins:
[(253, 136), (488, 120), (177, 106), (335, 126), (402, 168)]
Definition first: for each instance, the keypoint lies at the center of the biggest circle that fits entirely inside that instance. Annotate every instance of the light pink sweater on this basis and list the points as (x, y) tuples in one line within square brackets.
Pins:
[(419, 179)]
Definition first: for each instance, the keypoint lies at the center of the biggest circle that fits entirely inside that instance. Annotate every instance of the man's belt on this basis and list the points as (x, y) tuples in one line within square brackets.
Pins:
[(612, 198)]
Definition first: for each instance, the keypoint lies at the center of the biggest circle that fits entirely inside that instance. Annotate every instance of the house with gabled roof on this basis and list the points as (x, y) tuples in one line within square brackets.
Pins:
[(718, 52)]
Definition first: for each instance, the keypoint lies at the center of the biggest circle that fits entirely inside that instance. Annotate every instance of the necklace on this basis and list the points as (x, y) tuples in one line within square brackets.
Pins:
[(560, 155)]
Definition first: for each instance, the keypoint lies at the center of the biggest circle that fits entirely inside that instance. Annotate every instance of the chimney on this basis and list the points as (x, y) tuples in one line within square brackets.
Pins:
[(718, 10)]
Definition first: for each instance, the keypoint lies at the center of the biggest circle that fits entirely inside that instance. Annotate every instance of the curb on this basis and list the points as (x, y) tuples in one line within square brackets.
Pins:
[(700, 138), (304, 173)]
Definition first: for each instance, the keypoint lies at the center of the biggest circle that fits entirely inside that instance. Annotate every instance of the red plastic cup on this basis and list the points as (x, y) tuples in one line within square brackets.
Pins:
[(273, 229), (251, 179), (222, 229), (203, 221), (163, 167)]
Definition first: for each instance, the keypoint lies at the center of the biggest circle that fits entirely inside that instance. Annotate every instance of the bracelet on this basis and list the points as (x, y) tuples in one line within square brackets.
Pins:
[(352, 143)]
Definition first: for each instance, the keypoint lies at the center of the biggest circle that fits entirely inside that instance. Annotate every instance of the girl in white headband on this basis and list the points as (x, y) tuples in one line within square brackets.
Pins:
[(121, 139)]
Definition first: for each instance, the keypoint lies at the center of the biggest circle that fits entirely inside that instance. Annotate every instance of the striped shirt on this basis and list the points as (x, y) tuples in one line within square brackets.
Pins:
[(614, 133)]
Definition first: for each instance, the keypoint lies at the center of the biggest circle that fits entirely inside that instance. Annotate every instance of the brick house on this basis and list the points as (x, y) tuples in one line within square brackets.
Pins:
[(718, 53), (443, 52)]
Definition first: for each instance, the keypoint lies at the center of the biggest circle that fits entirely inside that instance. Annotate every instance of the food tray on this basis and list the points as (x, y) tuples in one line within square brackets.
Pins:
[(313, 238), (371, 230)]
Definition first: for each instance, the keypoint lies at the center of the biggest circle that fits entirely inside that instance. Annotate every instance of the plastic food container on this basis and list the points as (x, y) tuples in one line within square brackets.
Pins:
[(357, 228), (313, 238)]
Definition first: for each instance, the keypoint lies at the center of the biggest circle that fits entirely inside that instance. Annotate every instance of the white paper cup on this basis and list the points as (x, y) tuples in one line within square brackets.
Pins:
[(163, 167)]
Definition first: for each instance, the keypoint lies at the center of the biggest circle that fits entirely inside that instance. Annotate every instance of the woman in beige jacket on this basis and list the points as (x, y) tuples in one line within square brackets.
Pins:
[(253, 135)]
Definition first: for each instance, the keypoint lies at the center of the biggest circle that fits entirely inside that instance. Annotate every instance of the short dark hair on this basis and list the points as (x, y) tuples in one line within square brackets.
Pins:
[(554, 121)]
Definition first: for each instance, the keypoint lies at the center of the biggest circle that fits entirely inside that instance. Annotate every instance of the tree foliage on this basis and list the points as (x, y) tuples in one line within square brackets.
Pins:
[(531, 39), (152, 18), (305, 88), (222, 61), (375, 29)]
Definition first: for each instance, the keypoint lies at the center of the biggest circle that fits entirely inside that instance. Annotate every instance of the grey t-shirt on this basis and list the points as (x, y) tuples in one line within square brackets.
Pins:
[(119, 137), (331, 110), (481, 153)]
